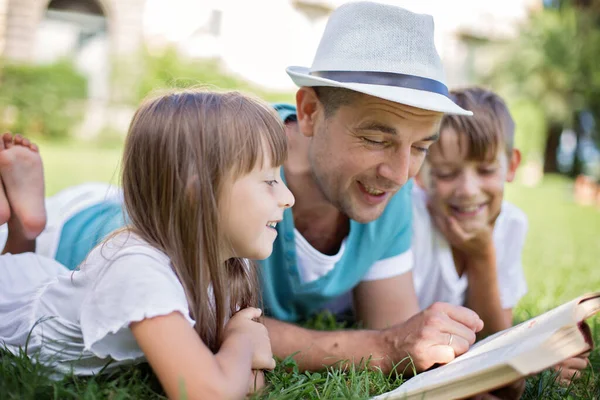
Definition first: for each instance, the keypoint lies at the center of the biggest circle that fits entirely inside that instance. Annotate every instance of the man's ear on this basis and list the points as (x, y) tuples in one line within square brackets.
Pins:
[(307, 106), (513, 164)]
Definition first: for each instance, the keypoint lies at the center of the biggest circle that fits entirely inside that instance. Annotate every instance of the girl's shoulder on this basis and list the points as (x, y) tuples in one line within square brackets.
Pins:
[(124, 244)]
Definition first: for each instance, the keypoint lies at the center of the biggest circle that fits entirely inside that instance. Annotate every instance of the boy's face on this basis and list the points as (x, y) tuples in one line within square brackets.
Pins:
[(470, 191)]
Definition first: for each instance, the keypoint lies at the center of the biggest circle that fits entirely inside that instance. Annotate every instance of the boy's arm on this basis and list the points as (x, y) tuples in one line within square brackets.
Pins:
[(477, 251), (483, 291)]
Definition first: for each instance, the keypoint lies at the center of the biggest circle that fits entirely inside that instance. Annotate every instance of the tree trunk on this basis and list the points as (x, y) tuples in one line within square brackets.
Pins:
[(551, 150)]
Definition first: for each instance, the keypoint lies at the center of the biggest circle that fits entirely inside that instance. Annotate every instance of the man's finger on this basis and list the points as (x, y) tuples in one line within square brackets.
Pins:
[(459, 344), (462, 315), (441, 354)]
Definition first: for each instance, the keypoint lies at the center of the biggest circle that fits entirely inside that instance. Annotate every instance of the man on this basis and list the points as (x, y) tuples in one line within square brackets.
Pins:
[(367, 111)]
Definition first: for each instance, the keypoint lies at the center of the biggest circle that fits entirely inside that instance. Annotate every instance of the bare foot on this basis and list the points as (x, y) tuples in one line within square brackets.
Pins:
[(4, 206), (23, 178)]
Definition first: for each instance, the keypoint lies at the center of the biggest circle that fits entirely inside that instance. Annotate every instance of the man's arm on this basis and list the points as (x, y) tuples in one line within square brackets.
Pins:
[(317, 349), (435, 335), (386, 302)]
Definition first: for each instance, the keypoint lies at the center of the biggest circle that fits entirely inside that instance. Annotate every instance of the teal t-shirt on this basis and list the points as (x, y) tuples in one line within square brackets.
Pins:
[(85, 230), (287, 298)]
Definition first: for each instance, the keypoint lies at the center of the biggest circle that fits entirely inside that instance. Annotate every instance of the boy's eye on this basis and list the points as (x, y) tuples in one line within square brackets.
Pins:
[(272, 182), (444, 175), (487, 171)]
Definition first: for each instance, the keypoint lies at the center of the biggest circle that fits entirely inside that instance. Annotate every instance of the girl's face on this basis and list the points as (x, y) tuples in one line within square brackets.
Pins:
[(251, 207), (469, 190)]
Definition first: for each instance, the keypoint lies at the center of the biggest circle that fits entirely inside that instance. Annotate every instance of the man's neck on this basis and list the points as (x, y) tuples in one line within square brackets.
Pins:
[(317, 220)]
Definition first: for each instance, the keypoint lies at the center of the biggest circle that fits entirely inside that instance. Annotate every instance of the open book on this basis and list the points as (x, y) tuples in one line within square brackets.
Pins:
[(507, 356)]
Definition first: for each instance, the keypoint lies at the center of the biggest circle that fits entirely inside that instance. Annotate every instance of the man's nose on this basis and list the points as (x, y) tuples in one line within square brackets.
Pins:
[(397, 168)]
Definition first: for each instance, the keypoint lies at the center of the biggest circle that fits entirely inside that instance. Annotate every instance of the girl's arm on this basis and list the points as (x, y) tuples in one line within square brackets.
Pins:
[(187, 369)]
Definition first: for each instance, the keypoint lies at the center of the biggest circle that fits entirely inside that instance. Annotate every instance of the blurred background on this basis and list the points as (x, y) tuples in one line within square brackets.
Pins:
[(73, 71)]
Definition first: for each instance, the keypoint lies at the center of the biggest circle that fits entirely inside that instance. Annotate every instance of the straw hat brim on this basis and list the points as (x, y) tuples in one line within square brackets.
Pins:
[(412, 97)]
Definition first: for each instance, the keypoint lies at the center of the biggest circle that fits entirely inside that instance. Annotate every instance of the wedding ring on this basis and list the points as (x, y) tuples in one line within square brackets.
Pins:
[(450, 340)]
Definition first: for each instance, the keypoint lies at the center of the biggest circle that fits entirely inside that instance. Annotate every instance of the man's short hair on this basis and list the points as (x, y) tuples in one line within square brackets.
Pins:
[(333, 98), (490, 126)]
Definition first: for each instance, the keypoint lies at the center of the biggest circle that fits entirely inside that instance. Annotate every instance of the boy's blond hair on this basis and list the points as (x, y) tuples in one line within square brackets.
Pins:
[(490, 126)]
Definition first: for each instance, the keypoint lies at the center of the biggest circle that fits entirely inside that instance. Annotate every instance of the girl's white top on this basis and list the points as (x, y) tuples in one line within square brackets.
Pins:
[(79, 321)]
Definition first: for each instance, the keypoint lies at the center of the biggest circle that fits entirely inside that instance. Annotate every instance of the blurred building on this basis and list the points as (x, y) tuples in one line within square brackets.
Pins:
[(254, 39)]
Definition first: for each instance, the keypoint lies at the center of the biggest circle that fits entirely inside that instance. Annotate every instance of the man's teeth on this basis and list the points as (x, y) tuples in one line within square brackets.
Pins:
[(372, 191), (272, 224)]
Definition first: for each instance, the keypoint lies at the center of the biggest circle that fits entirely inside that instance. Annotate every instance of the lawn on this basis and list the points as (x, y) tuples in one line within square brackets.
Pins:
[(560, 259)]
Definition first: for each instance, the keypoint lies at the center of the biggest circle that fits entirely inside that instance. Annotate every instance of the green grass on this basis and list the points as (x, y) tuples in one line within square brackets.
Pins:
[(560, 259)]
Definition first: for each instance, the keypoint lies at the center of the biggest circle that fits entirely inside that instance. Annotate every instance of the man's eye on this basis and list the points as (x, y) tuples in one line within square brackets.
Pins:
[(373, 142), (423, 150)]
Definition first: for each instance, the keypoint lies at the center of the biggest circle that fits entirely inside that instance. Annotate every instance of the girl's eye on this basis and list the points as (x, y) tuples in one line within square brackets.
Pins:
[(272, 182)]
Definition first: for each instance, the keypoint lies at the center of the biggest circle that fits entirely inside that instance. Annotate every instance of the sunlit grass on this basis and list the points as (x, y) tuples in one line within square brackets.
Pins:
[(561, 261)]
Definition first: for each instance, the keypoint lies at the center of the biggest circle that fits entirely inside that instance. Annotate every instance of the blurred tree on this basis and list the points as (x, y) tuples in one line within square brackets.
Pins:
[(43, 100), (168, 69), (554, 65)]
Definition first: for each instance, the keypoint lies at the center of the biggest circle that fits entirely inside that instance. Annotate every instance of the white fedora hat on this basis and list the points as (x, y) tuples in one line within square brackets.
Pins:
[(383, 51)]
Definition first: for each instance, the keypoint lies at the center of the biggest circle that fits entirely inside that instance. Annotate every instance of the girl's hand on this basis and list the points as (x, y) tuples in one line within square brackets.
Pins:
[(243, 324), (257, 381)]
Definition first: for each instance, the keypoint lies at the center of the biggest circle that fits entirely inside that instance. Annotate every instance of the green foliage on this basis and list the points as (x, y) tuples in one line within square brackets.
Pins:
[(552, 67), (168, 69), (41, 100)]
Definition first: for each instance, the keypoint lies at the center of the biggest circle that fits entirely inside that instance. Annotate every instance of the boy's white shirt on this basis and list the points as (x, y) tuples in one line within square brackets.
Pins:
[(434, 272)]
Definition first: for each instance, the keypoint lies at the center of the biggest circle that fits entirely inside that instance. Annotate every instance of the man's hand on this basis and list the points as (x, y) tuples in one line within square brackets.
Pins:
[(436, 335)]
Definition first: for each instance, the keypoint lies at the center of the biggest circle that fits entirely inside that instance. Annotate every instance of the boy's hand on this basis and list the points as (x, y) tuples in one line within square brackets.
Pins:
[(469, 244), (243, 324), (570, 370)]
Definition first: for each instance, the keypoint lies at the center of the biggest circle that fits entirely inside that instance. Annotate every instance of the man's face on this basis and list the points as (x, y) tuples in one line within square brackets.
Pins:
[(366, 151)]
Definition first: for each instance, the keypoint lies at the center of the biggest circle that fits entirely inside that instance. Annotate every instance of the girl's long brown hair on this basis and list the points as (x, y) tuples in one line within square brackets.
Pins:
[(181, 149)]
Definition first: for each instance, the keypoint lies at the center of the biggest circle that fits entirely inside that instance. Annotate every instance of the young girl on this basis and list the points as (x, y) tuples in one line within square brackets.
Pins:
[(202, 193)]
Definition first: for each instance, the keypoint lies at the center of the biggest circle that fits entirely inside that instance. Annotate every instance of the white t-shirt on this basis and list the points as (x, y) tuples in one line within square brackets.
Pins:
[(80, 320), (434, 273), (312, 264)]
